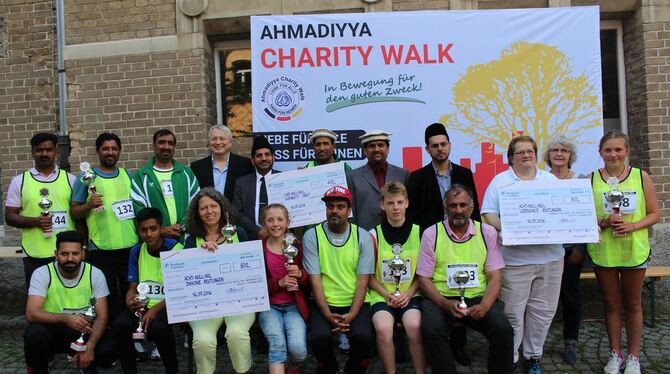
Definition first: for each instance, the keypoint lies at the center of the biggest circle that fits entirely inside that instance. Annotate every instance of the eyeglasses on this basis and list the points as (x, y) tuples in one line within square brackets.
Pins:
[(529, 152), (559, 150)]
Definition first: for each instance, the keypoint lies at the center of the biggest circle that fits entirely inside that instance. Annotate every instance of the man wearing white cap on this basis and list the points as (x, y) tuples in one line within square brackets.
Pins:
[(323, 144), (365, 182)]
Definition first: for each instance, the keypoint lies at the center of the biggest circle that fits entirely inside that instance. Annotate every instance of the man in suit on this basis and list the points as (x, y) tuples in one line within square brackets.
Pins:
[(221, 168), (426, 189), (251, 196), (366, 181)]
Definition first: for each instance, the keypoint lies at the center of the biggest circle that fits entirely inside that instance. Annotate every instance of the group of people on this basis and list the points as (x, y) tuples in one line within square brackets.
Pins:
[(342, 282)]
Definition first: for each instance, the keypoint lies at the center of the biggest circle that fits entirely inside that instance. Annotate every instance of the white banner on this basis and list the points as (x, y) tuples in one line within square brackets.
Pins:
[(487, 74)]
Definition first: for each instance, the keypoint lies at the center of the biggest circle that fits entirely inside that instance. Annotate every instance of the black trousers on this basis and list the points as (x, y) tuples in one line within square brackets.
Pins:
[(114, 264), (361, 339), (41, 341), (32, 263), (570, 299), (436, 325), (159, 331)]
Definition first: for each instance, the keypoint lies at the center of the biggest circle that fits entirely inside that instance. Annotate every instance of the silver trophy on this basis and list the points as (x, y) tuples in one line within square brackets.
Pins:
[(87, 179), (79, 345), (290, 252), (461, 278), (615, 197), (397, 266), (142, 291), (228, 231), (45, 204)]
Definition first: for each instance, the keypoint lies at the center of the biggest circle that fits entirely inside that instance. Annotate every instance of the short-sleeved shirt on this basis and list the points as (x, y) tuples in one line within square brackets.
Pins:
[(520, 254), (80, 190), (310, 259), (134, 258), (426, 265), (14, 191), (39, 282)]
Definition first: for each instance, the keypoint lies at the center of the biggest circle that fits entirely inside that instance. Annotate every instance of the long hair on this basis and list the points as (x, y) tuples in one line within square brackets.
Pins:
[(195, 226)]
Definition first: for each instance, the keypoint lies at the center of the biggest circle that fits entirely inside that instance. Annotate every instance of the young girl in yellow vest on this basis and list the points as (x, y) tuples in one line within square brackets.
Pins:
[(621, 258)]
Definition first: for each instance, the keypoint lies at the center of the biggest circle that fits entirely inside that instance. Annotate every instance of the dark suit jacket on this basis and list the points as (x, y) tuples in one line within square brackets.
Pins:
[(244, 203), (238, 166), (363, 187), (426, 206)]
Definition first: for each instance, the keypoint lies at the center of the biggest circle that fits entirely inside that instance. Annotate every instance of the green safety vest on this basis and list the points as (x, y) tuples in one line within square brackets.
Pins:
[(410, 251), (104, 228), (170, 202), (32, 238), (200, 241), (150, 272), (313, 163), (61, 299), (633, 249), (449, 252), (338, 266)]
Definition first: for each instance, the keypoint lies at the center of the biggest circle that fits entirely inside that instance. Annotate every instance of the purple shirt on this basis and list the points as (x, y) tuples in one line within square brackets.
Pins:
[(426, 265)]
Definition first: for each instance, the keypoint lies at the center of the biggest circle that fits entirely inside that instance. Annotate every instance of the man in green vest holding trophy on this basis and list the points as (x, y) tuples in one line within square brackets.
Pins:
[(102, 196), (67, 302), (460, 276)]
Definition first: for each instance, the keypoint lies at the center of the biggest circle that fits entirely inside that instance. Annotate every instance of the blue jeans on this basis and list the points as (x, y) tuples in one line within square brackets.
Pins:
[(284, 328)]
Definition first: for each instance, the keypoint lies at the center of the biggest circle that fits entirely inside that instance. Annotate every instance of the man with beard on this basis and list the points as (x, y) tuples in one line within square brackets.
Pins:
[(165, 184), (221, 168), (323, 144), (38, 234), (251, 194), (59, 293), (366, 181), (339, 258), (109, 215), (461, 244)]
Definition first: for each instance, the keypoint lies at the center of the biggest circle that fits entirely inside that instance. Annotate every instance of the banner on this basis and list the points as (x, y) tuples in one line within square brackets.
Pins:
[(488, 75)]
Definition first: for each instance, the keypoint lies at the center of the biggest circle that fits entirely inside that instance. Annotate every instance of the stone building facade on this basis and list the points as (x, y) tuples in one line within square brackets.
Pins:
[(134, 66)]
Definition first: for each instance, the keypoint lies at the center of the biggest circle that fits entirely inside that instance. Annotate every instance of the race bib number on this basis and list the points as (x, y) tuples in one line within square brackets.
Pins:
[(123, 209), (74, 311), (155, 290), (471, 269), (387, 274), (628, 203), (59, 220), (167, 188)]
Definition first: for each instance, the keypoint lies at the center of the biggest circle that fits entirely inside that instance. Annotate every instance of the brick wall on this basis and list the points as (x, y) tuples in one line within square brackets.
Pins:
[(100, 21)]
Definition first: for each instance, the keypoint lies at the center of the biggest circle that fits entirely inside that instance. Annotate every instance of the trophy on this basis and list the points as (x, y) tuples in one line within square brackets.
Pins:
[(45, 204), (79, 345), (290, 251), (142, 291), (461, 278), (87, 179), (614, 196), (397, 266), (228, 231)]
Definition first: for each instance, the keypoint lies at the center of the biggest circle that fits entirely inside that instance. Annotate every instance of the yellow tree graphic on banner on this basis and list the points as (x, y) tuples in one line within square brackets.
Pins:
[(530, 90)]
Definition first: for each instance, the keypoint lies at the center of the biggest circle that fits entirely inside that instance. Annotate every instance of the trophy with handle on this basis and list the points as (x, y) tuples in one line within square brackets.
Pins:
[(290, 252), (142, 291), (87, 179), (79, 345), (45, 205), (461, 278), (397, 266), (228, 231), (615, 197)]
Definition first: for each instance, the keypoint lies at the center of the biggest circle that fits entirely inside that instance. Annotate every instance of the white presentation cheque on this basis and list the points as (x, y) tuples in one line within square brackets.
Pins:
[(542, 212), (200, 285), (300, 191)]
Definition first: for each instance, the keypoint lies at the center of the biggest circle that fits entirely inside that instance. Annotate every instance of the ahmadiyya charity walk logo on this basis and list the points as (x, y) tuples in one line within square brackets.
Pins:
[(283, 98)]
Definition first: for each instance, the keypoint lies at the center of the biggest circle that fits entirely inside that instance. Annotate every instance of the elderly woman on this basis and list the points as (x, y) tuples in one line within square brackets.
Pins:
[(621, 258), (208, 213), (531, 279), (560, 155)]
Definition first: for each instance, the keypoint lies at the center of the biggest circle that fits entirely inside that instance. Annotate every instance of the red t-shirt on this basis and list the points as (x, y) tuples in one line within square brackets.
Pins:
[(277, 269)]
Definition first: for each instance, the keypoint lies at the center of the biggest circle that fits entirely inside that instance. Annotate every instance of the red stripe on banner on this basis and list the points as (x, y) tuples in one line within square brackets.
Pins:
[(411, 158)]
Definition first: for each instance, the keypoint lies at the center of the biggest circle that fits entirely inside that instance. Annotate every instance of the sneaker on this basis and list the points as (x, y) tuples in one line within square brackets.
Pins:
[(570, 353), (141, 355), (632, 365), (614, 364), (533, 366), (344, 343), (155, 356)]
